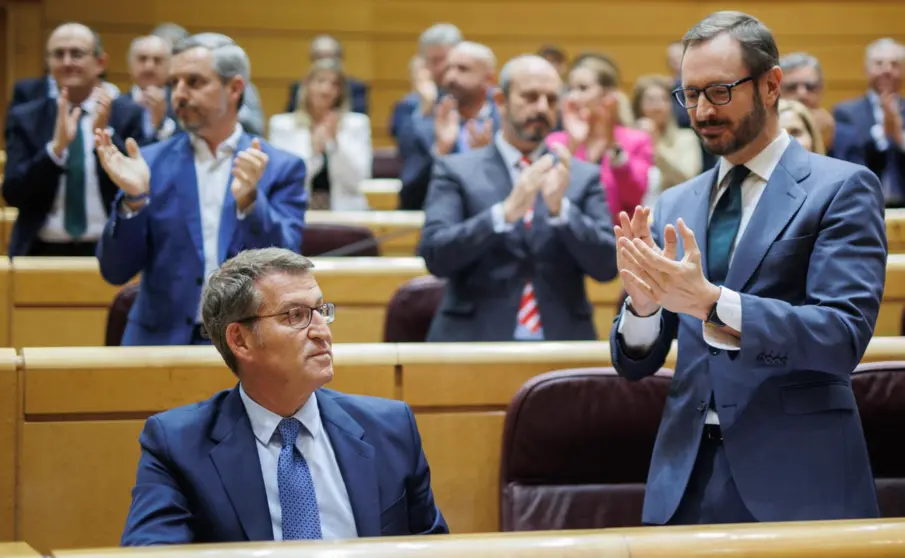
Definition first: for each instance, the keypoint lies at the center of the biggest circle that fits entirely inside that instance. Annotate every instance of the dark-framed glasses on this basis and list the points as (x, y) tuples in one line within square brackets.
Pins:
[(300, 317), (717, 94)]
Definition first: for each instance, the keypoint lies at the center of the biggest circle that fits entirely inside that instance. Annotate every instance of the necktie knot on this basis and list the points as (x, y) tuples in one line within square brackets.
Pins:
[(524, 162), (289, 430), (737, 175)]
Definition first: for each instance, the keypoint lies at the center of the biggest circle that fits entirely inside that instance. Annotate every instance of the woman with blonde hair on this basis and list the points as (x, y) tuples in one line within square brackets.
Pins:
[(796, 119), (677, 151), (334, 142)]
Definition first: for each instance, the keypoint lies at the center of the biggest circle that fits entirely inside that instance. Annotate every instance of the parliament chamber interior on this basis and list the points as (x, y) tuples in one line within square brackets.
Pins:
[(373, 137)]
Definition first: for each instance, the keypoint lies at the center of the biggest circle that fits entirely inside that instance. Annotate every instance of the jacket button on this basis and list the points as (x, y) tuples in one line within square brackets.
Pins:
[(199, 281), (714, 351)]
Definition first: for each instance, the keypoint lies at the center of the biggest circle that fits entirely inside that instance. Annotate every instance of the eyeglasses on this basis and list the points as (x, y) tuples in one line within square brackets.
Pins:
[(717, 94), (300, 317)]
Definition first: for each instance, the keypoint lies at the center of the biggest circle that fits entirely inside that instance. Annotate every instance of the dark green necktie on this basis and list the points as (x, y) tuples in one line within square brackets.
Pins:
[(724, 225), (74, 216)]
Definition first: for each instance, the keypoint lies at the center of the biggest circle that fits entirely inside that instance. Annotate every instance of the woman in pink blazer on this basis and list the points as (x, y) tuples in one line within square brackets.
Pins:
[(593, 132)]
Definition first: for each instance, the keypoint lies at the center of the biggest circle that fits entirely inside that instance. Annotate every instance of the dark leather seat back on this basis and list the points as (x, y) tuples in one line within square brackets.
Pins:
[(118, 314), (880, 391), (320, 238), (386, 163), (576, 449), (411, 310)]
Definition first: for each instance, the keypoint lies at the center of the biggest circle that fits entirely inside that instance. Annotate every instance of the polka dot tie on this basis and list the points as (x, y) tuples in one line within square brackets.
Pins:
[(298, 500)]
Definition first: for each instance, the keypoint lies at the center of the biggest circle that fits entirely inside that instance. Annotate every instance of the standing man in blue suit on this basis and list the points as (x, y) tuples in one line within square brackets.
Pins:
[(515, 230), (278, 457), (773, 296), (191, 202)]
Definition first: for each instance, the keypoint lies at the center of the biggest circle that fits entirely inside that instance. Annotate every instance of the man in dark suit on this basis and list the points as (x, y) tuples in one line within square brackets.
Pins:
[(278, 457), (325, 46), (52, 173), (193, 201), (149, 67), (31, 89), (515, 229), (773, 296), (877, 118)]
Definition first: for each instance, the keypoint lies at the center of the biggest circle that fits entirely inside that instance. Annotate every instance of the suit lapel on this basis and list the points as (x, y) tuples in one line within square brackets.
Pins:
[(780, 201), (236, 460), (700, 213), (228, 219), (185, 181), (355, 458)]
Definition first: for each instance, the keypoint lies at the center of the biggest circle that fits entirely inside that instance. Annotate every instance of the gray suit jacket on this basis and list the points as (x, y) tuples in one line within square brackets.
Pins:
[(810, 270), (486, 271)]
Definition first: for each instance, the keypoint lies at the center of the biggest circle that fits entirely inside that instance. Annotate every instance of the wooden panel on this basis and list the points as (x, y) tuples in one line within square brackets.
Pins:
[(401, 228), (463, 451), (59, 327), (76, 481), (10, 411), (41, 281), (6, 283), (17, 550), (382, 193)]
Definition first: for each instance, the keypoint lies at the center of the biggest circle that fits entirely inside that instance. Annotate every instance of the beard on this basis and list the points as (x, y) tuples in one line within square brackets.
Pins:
[(740, 135), (535, 134)]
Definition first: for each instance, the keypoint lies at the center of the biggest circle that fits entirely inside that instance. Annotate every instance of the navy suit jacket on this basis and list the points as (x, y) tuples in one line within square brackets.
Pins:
[(30, 89), (810, 269), (858, 116), (33, 178), (199, 476), (487, 271), (358, 95), (163, 241)]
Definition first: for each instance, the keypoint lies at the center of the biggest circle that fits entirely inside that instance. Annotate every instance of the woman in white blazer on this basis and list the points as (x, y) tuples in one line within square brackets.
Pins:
[(335, 143)]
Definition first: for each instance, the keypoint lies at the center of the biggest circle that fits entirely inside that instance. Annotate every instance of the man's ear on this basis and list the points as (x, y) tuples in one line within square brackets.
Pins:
[(241, 341)]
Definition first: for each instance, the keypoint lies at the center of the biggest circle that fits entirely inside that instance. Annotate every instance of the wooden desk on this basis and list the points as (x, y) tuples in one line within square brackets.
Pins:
[(85, 407), (382, 193), (17, 550), (10, 418), (873, 538), (381, 223), (895, 230)]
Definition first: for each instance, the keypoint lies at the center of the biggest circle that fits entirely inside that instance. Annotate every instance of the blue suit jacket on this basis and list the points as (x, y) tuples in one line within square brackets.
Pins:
[(163, 241), (487, 271), (810, 270), (199, 476), (33, 178)]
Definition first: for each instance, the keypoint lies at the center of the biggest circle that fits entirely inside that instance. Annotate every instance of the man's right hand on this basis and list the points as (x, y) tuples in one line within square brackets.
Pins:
[(67, 124), (446, 125), (638, 227), (524, 194), (131, 173)]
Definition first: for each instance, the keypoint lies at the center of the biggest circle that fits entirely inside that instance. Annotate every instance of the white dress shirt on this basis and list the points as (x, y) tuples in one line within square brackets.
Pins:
[(334, 507), (54, 229), (639, 334)]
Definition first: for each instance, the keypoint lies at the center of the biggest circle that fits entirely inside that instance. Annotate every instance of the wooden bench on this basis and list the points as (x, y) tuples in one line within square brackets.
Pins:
[(83, 409), (382, 193)]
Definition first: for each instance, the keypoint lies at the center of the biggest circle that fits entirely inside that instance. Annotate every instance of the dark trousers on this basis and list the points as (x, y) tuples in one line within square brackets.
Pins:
[(711, 495), (39, 248)]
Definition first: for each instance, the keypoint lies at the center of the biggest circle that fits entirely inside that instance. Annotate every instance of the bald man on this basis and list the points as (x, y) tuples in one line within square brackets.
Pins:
[(52, 174), (464, 119), (149, 66), (325, 46), (515, 229)]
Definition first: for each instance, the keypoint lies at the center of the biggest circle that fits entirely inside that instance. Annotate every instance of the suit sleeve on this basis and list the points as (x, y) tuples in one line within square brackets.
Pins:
[(449, 240), (634, 365), (588, 233), (845, 281), (278, 216), (31, 176), (159, 513), (122, 250), (424, 515)]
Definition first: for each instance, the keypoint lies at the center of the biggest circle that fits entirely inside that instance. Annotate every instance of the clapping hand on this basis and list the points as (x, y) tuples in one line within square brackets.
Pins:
[(247, 171)]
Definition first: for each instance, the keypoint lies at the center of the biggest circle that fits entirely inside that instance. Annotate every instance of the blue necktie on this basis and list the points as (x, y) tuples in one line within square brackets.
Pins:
[(298, 501), (724, 225)]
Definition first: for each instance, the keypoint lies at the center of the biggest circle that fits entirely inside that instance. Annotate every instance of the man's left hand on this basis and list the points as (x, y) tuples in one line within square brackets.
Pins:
[(679, 286), (247, 171)]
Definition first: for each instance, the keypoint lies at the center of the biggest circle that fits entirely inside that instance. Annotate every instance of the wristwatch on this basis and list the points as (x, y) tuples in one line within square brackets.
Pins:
[(628, 306), (714, 318)]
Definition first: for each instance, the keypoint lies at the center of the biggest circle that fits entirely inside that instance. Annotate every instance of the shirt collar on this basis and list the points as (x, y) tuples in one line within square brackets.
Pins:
[(227, 147), (511, 155), (264, 422), (764, 163)]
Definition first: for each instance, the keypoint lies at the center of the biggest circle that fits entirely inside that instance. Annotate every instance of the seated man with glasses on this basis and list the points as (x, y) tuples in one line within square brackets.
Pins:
[(278, 457)]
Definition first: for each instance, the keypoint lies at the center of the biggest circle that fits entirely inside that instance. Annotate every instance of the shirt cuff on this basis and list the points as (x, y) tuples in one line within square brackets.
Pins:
[(499, 219), (563, 216), (60, 161), (240, 215), (729, 311), (125, 212), (639, 334)]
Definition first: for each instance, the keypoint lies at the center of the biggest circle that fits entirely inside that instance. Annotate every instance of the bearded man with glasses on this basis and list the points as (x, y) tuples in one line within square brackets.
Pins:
[(278, 457)]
